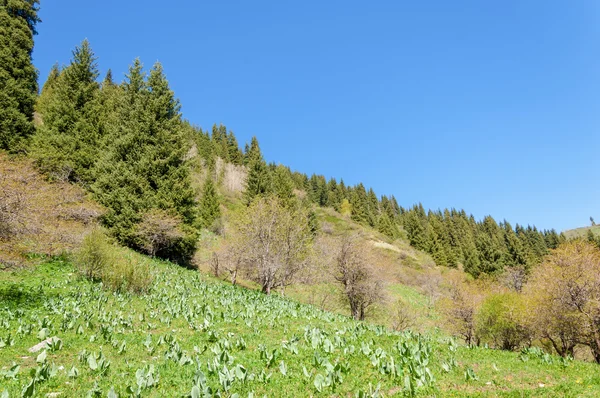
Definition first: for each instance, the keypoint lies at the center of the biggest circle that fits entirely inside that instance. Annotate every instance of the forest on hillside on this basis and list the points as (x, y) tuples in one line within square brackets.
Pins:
[(129, 147)]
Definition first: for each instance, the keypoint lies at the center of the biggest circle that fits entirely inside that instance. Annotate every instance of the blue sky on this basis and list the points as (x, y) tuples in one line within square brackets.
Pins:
[(493, 107)]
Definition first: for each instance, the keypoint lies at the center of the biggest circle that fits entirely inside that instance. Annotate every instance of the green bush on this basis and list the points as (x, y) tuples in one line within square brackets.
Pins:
[(128, 273), (501, 321), (94, 256), (99, 260)]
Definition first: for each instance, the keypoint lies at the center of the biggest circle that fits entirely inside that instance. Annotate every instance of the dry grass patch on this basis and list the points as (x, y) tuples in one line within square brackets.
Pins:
[(37, 216)]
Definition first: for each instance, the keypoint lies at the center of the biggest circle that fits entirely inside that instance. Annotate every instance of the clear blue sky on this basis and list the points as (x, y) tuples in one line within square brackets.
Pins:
[(493, 107)]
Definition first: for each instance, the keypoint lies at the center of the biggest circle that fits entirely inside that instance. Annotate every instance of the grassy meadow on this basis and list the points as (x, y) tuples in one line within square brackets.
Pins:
[(192, 335)]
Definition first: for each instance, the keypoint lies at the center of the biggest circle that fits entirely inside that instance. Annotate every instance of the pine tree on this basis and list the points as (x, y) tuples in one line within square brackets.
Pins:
[(18, 76), (386, 227), (359, 202), (515, 254), (144, 167), (209, 210), (235, 155), (283, 186), (258, 182), (414, 225), (45, 98), (372, 208), (66, 144)]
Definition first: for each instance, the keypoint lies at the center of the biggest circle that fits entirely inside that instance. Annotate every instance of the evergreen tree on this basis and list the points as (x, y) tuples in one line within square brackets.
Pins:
[(515, 254), (590, 236), (414, 225), (283, 186), (386, 227), (66, 145), (18, 76), (209, 210), (258, 182), (235, 154), (360, 207), (45, 98), (144, 167), (108, 79), (372, 208)]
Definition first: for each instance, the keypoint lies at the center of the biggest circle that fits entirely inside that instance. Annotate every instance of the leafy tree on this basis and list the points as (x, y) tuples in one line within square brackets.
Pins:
[(354, 272), (565, 296), (502, 321), (18, 76), (345, 208), (271, 242), (209, 210)]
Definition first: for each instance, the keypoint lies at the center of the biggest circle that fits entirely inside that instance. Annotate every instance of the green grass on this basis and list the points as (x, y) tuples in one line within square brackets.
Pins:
[(189, 323), (582, 232)]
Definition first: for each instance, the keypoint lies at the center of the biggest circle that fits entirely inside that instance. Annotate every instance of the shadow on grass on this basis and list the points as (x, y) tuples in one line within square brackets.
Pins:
[(18, 295)]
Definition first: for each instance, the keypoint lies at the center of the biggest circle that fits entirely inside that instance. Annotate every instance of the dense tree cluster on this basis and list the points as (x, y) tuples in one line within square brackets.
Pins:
[(127, 144), (18, 76)]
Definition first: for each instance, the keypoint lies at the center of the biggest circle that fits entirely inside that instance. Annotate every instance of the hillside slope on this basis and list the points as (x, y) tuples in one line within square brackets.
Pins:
[(194, 336), (582, 232), (39, 217)]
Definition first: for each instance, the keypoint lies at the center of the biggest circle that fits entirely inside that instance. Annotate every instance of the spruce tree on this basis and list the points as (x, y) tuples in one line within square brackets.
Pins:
[(66, 144), (372, 208), (360, 207), (414, 225), (144, 166), (235, 155), (258, 182), (209, 210), (45, 98), (18, 76), (283, 186), (386, 227)]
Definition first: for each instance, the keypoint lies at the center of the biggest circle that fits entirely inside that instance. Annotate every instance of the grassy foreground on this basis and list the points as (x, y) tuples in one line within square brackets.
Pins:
[(193, 336)]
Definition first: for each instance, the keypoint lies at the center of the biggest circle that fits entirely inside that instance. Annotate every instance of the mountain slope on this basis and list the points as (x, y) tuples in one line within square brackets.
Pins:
[(194, 336)]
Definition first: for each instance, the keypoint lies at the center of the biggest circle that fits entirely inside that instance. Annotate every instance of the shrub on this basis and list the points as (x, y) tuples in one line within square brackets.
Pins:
[(99, 260), (95, 255), (164, 235), (501, 321), (128, 273), (12, 205), (403, 316)]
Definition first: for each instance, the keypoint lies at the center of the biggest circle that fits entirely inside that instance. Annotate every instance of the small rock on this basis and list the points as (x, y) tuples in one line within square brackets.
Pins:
[(541, 385), (41, 345), (489, 383)]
